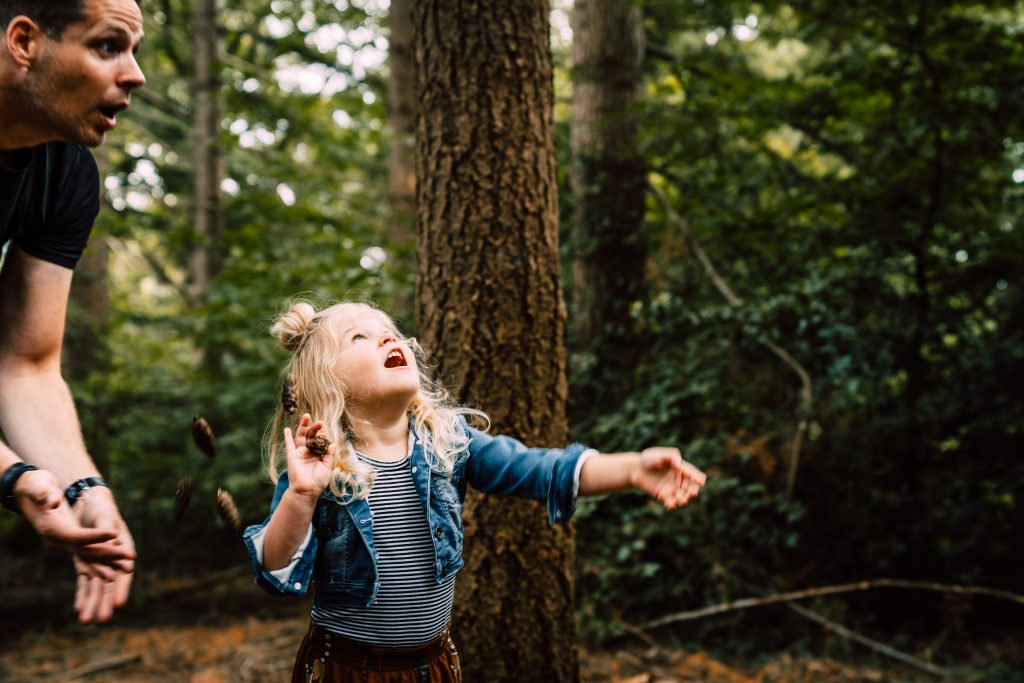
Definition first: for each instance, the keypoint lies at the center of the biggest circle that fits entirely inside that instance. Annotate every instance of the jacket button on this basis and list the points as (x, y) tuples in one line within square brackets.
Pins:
[(414, 469), (438, 533)]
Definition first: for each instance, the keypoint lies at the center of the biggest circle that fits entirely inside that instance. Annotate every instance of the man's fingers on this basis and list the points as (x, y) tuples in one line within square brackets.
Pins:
[(122, 585), (113, 553), (105, 606), (91, 601)]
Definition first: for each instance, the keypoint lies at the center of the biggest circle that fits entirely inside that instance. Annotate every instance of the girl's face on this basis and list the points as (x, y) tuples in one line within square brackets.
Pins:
[(376, 367)]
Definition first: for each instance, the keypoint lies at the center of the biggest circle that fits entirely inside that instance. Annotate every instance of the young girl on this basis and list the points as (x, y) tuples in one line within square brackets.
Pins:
[(377, 519)]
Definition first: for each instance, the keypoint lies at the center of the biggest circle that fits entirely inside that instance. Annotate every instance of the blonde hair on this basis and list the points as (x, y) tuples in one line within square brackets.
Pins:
[(304, 332)]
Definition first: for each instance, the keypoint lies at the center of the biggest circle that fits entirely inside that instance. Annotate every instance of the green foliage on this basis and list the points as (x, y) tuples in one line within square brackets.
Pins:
[(304, 207), (849, 169)]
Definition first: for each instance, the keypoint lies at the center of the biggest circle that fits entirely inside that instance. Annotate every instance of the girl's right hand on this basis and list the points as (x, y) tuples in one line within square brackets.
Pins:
[(308, 473)]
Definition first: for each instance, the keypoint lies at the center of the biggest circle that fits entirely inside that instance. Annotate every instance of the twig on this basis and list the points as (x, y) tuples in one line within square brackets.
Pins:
[(886, 650), (95, 667), (829, 590), (806, 391)]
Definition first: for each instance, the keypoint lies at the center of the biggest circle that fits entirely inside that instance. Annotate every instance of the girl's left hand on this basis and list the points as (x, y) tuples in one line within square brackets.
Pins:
[(663, 474)]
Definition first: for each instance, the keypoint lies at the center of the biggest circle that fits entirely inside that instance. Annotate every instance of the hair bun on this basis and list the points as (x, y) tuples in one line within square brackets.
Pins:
[(290, 329)]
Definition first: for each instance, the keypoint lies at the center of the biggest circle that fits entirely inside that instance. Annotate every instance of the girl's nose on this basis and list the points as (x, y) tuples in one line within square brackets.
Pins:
[(387, 338)]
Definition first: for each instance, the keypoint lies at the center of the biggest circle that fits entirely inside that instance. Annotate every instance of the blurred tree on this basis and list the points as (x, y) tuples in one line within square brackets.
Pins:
[(401, 152), (489, 304), (209, 162), (608, 248)]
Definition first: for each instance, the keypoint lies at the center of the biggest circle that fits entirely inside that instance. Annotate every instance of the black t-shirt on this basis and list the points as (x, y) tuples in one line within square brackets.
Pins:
[(49, 201)]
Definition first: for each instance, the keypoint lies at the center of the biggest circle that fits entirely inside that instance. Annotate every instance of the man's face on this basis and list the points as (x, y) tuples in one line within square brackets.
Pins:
[(84, 79)]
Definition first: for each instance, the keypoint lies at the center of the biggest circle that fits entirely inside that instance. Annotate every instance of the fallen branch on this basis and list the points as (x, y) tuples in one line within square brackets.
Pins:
[(806, 388), (95, 667), (886, 650), (829, 590)]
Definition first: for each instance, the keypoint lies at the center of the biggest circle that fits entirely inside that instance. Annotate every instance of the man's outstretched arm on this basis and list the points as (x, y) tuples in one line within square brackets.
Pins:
[(37, 414)]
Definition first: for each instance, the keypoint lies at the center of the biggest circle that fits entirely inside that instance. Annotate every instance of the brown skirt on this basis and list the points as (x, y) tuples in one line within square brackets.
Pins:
[(326, 657)]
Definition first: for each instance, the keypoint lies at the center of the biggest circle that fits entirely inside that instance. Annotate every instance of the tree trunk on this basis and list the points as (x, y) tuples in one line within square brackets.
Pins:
[(490, 306), (209, 162), (85, 353), (401, 155), (608, 247)]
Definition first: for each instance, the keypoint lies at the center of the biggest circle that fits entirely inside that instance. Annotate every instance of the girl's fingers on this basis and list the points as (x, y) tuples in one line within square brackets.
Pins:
[(289, 442)]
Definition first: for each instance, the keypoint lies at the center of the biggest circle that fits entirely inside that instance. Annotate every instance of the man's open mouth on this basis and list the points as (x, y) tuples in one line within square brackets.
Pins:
[(395, 359), (111, 111)]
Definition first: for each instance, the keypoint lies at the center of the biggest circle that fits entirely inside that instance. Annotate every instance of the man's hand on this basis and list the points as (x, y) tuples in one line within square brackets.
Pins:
[(100, 591), (42, 503)]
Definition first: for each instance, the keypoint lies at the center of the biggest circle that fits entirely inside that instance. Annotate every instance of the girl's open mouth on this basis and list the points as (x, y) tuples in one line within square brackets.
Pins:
[(395, 359)]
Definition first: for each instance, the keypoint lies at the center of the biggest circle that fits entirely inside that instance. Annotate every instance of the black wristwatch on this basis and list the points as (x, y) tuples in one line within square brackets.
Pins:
[(8, 481), (77, 488)]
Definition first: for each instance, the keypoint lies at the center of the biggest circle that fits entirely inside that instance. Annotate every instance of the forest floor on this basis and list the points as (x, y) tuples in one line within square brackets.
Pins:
[(228, 637)]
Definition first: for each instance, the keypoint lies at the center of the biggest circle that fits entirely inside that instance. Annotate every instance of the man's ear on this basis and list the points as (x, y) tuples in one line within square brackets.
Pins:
[(24, 41)]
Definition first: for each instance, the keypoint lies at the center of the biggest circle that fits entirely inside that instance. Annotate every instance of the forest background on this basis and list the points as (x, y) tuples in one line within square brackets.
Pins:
[(794, 250)]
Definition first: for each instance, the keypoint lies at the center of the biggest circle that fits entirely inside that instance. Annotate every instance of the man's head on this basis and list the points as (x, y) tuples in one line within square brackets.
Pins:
[(68, 66), (53, 16)]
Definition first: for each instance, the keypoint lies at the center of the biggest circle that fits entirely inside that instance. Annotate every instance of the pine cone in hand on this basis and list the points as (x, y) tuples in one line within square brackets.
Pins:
[(318, 445)]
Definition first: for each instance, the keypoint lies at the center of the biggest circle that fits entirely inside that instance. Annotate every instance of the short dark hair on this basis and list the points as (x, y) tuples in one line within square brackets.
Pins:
[(53, 16)]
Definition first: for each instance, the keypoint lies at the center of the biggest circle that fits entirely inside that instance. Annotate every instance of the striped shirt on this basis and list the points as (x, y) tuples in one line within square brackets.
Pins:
[(411, 607)]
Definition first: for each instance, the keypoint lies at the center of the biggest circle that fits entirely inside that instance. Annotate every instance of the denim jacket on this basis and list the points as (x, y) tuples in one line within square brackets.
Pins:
[(340, 555)]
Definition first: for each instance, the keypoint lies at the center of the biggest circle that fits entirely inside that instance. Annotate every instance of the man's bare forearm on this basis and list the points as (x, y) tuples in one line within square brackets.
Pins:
[(38, 418)]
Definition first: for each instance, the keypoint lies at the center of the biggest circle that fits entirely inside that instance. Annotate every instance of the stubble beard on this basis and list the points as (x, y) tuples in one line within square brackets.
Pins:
[(43, 97)]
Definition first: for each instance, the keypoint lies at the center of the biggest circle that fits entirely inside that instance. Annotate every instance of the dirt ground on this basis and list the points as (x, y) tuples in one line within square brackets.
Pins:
[(261, 650), (235, 633)]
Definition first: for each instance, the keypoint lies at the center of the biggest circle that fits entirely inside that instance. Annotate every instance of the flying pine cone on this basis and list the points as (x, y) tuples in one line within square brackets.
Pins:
[(288, 400), (227, 510), (182, 497), (203, 436)]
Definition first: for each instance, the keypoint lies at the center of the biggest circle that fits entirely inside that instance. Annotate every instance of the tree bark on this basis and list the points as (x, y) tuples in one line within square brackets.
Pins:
[(401, 155), (489, 303), (608, 249)]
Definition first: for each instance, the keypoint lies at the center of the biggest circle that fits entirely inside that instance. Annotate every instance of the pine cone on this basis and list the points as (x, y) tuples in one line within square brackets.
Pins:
[(318, 445), (182, 497), (202, 436), (227, 510), (288, 399)]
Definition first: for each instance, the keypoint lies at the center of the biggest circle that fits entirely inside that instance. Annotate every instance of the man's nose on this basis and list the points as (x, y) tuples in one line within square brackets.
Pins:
[(132, 78)]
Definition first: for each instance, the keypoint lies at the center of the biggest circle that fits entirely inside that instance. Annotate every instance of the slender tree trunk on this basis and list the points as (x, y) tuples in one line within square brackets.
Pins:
[(85, 351), (490, 305), (401, 156), (608, 178), (209, 161)]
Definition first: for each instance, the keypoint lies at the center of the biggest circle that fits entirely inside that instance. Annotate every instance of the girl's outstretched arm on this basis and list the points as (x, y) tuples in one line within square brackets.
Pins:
[(659, 472), (308, 474)]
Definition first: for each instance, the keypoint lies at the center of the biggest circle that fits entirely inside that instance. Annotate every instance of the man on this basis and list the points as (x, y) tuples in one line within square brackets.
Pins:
[(67, 68)]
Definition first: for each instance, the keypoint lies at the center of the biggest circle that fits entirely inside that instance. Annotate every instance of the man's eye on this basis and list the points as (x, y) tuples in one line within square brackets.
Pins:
[(108, 47)]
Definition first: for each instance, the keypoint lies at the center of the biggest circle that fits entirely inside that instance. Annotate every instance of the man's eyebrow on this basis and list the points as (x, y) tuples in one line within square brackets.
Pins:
[(120, 31)]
